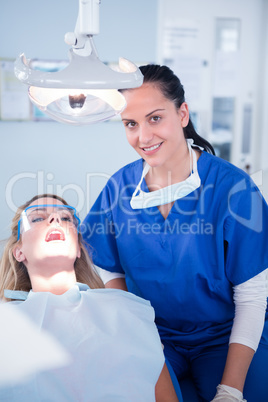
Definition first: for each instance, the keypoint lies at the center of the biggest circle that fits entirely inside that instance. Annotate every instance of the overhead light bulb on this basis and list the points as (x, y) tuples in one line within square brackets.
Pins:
[(86, 90), (77, 101)]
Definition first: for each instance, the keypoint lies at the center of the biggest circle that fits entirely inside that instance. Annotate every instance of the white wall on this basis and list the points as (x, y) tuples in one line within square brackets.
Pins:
[(250, 86), (262, 149), (264, 87), (54, 157)]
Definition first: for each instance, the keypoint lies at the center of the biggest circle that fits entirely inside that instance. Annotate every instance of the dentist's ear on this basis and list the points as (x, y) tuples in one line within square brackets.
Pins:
[(184, 114), (18, 254)]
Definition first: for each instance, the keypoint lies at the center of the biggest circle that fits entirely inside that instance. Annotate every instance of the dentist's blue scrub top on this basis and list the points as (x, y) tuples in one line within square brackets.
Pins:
[(186, 265)]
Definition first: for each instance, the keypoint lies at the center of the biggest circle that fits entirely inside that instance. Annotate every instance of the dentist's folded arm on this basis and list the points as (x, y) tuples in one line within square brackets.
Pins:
[(250, 300), (114, 280)]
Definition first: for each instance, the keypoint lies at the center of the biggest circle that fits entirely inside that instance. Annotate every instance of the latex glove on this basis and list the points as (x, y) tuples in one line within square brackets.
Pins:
[(228, 394)]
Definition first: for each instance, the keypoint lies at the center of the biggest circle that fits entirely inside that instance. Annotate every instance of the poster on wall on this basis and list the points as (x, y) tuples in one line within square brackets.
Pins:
[(180, 51), (14, 100)]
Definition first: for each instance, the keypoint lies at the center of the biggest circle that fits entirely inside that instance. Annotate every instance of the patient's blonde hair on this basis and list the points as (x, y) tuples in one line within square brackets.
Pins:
[(14, 274)]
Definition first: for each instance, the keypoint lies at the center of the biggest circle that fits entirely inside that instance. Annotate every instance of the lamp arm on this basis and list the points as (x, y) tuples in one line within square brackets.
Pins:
[(87, 25), (88, 17)]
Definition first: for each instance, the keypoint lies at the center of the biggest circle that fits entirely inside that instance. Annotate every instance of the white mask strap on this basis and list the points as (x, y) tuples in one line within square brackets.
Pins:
[(144, 173), (170, 193)]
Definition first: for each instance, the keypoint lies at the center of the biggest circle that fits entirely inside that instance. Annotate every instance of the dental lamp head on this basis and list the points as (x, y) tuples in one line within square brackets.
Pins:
[(86, 91)]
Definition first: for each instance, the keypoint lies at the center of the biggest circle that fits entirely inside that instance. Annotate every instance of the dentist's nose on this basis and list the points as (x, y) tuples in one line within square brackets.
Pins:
[(145, 135), (54, 218)]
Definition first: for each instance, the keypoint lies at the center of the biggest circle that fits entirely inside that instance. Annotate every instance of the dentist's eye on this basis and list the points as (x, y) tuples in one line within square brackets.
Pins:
[(130, 124), (155, 119)]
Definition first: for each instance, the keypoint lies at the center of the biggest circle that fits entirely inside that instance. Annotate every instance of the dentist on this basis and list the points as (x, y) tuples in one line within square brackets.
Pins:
[(194, 243)]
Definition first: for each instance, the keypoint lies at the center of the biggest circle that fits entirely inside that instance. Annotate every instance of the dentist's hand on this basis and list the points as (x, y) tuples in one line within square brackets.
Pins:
[(228, 394)]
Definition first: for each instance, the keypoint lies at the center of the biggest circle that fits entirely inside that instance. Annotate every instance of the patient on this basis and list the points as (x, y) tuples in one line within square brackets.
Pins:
[(110, 335)]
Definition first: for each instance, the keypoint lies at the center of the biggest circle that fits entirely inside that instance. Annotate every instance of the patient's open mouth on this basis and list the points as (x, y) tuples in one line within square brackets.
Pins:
[(55, 234)]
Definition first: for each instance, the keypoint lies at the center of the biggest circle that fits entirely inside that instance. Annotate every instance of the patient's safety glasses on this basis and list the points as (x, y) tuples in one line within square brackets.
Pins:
[(35, 215)]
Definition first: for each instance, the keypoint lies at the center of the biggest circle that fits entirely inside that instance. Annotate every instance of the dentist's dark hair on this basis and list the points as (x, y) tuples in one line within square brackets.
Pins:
[(171, 87)]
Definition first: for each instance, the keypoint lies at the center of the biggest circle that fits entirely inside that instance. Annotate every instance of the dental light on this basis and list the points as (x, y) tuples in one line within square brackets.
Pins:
[(86, 91)]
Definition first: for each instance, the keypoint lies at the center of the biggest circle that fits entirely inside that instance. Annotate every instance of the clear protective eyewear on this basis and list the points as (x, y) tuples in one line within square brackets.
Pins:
[(34, 215)]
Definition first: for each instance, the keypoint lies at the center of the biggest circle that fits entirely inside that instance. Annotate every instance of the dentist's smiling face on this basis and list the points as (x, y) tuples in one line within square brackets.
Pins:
[(51, 238), (153, 124)]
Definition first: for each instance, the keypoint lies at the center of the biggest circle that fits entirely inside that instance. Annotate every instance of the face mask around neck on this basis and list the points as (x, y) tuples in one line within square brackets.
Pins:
[(141, 199)]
